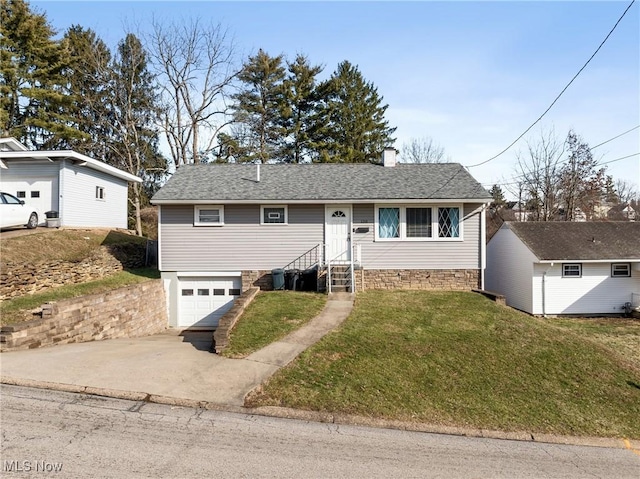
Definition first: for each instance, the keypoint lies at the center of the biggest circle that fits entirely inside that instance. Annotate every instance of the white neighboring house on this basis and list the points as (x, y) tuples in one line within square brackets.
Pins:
[(84, 191), (552, 268)]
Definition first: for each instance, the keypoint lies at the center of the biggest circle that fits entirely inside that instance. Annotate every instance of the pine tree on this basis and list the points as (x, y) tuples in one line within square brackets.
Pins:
[(351, 124), (87, 84), (133, 111), (301, 106), (33, 105), (259, 107)]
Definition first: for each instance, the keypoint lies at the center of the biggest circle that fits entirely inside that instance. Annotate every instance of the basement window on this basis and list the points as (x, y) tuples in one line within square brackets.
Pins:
[(620, 270), (572, 270)]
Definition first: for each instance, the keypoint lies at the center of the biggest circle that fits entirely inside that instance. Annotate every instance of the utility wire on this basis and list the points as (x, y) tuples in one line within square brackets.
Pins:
[(611, 139), (560, 94)]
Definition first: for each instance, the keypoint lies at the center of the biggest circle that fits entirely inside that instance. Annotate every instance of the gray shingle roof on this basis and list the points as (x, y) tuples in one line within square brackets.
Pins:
[(586, 241), (326, 181)]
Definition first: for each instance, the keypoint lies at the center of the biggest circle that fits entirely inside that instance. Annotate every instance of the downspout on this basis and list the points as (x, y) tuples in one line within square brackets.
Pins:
[(483, 243)]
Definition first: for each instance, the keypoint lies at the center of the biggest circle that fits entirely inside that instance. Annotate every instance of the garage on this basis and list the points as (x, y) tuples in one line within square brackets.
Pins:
[(39, 193), (203, 300)]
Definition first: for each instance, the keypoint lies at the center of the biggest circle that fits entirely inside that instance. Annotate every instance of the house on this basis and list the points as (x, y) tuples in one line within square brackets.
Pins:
[(84, 191), (224, 227), (622, 212), (551, 268)]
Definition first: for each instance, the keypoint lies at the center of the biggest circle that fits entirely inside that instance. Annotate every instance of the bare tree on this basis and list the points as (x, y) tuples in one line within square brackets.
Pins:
[(422, 150), (539, 170), (625, 191), (195, 67)]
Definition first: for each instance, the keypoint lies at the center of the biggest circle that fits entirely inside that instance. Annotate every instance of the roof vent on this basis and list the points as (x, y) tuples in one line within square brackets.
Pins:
[(389, 157)]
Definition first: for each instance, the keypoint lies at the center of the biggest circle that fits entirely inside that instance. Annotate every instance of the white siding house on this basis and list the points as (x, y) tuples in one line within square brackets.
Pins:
[(85, 192), (564, 268)]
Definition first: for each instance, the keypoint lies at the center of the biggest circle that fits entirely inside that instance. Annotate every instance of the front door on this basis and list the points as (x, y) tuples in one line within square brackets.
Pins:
[(338, 233)]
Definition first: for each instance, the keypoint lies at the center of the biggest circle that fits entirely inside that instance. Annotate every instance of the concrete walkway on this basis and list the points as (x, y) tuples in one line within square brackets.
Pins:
[(172, 364)]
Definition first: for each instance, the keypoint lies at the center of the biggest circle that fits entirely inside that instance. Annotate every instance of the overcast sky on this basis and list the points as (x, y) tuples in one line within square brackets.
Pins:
[(471, 75)]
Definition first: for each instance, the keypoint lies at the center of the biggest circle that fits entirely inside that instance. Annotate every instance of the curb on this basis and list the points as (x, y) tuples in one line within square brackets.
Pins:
[(327, 417)]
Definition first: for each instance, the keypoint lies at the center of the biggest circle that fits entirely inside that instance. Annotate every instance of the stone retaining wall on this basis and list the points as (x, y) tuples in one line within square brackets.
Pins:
[(230, 318), (442, 279), (259, 279), (19, 279), (132, 311)]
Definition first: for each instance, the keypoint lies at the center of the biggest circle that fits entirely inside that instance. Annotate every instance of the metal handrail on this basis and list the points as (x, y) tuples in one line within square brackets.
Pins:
[(313, 253)]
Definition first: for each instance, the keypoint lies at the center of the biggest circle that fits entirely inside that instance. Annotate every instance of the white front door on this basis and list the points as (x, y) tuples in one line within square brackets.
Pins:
[(338, 233)]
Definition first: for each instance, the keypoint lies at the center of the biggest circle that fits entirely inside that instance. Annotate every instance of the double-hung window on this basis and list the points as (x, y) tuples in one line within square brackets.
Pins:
[(572, 270), (620, 270), (208, 215), (418, 223)]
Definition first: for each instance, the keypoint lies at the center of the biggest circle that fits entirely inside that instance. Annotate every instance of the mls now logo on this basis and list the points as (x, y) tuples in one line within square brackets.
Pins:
[(31, 466)]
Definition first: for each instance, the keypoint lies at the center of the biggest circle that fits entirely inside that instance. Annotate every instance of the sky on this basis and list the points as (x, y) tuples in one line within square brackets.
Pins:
[(473, 76)]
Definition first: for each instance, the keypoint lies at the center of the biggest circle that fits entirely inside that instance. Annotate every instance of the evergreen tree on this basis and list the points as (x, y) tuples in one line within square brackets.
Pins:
[(352, 127), (259, 109), (87, 84), (133, 111), (301, 106), (33, 105), (498, 196)]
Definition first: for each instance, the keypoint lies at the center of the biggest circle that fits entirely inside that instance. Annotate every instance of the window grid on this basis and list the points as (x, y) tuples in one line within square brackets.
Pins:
[(389, 222)]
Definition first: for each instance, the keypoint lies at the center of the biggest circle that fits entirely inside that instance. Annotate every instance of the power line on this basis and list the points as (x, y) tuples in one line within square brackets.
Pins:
[(618, 159), (560, 94), (611, 139)]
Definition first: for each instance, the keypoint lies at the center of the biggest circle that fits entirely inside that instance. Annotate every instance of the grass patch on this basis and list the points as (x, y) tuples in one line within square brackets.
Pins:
[(19, 309), (270, 317), (456, 358), (62, 245)]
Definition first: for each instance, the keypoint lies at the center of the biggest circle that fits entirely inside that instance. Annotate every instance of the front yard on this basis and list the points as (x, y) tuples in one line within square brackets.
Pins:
[(455, 358)]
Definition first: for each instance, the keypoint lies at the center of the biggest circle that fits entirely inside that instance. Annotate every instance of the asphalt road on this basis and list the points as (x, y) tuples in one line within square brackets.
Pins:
[(89, 436)]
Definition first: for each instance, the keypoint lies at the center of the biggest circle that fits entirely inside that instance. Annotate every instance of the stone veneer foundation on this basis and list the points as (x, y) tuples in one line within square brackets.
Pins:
[(442, 279)]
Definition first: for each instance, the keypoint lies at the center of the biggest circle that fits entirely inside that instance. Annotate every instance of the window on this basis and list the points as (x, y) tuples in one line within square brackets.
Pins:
[(203, 292), (218, 292), (448, 222), (234, 292), (10, 199), (273, 215), (389, 223), (418, 223), (21, 194), (620, 270), (35, 194), (572, 270), (99, 193), (208, 215), (187, 292)]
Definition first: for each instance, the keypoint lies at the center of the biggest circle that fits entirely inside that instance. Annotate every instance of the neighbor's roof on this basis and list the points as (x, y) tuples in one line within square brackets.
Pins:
[(13, 153), (319, 182), (584, 241)]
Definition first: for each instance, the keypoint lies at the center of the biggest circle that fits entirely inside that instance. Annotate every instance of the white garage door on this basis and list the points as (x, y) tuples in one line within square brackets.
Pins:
[(39, 193), (204, 300)]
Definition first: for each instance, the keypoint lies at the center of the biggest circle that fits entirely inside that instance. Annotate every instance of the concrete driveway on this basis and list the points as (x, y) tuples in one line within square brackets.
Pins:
[(171, 364)]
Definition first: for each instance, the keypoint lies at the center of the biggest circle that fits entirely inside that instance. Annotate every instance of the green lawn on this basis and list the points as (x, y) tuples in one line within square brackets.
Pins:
[(19, 309), (456, 358), (270, 317)]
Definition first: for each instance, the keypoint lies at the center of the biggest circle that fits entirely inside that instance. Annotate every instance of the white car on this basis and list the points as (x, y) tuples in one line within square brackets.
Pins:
[(14, 212)]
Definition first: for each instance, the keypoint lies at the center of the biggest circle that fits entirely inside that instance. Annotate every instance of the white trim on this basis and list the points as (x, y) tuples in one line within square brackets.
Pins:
[(404, 201), (402, 234), (208, 274), (160, 242), (69, 154), (286, 215), (196, 215), (626, 260)]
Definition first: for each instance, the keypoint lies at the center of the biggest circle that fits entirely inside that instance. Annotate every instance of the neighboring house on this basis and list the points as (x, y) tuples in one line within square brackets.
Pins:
[(85, 192), (550, 268), (224, 227), (622, 212)]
